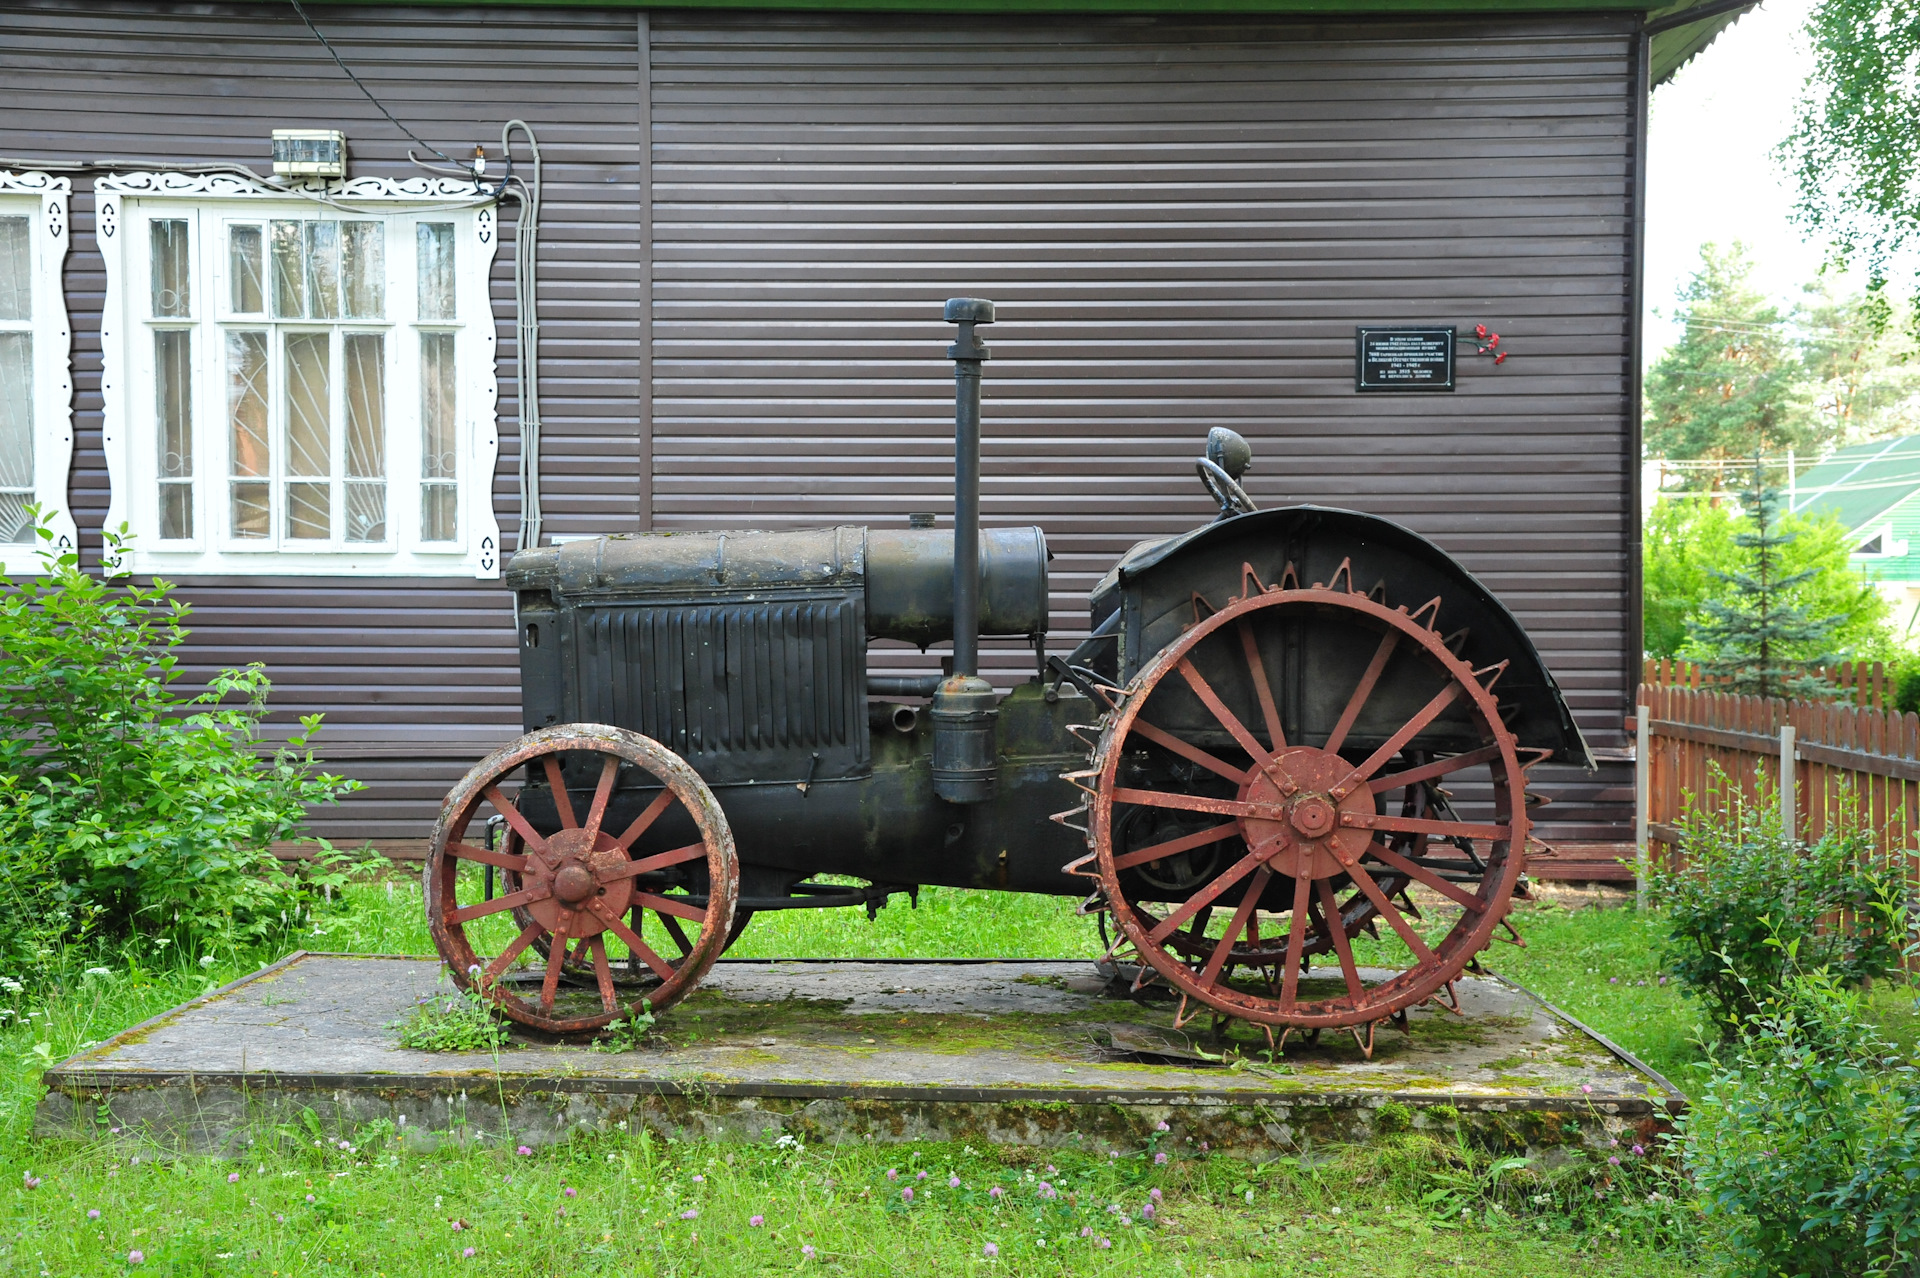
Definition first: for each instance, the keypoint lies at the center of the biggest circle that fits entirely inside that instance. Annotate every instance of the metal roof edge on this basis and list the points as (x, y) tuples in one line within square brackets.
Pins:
[(1155, 8), (1674, 48)]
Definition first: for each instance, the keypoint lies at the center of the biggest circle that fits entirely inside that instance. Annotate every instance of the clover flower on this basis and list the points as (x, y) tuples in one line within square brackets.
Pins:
[(1161, 1126), (524, 1152), (806, 1251), (468, 1252), (893, 1173), (756, 1221), (1159, 1160), (690, 1214), (136, 1257), (953, 1182), (233, 1178), (570, 1192), (990, 1250), (93, 1213)]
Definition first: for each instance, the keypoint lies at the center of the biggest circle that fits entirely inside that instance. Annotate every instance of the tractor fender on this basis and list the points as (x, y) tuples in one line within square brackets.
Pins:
[(1157, 589)]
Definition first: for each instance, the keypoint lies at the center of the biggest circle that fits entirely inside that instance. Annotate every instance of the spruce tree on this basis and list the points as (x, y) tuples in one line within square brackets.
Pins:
[(1758, 640)]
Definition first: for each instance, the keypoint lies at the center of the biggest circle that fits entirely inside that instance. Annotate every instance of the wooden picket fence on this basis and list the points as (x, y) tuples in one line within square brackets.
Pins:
[(1709, 750), (1861, 683)]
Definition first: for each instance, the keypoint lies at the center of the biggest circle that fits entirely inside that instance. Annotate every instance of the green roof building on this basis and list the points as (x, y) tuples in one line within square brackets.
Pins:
[(1874, 489)]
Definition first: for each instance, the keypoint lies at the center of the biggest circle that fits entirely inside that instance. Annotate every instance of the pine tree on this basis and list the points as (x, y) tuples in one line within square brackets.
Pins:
[(1761, 643)]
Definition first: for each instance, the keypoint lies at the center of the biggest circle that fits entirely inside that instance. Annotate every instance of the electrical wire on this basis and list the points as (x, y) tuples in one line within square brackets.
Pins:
[(378, 105)]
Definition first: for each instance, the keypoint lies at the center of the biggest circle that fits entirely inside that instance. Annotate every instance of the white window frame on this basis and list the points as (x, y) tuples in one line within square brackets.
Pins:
[(47, 200), (1889, 548), (127, 203)]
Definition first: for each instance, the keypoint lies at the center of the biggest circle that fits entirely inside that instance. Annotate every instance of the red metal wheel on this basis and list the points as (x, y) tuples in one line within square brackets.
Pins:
[(1201, 828), (573, 889)]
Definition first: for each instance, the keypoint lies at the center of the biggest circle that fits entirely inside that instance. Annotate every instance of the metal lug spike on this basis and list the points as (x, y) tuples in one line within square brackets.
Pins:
[(1096, 903), (1493, 672), (1250, 584), (1345, 569), (1513, 937), (1431, 608), (1379, 592), (1457, 640), (1290, 577), (1073, 867), (1180, 1013), (1201, 601), (1473, 965), (1366, 1044)]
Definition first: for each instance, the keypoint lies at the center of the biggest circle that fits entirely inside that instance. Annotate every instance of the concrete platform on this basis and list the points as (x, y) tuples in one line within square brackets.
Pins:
[(1038, 1053)]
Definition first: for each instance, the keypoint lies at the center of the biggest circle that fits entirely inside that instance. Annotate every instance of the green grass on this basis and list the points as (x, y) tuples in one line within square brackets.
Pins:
[(379, 1210)]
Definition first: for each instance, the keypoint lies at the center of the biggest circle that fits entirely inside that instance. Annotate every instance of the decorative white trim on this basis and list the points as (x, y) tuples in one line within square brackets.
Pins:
[(52, 359), (34, 182), (124, 202), (232, 186)]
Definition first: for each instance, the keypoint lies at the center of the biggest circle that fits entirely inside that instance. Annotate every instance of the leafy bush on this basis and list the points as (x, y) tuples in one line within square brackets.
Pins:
[(1749, 897), (123, 805), (1806, 1143)]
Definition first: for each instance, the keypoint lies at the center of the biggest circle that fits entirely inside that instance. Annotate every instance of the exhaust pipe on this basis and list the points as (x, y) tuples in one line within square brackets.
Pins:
[(965, 705)]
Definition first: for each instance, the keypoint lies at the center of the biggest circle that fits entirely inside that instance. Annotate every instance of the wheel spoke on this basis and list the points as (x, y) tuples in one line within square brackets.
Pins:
[(602, 792), (505, 860), (1211, 763), (678, 933), (1195, 803), (1234, 925), (647, 864), (1428, 771), (528, 935), (667, 905), (1408, 731), (1185, 843), (1414, 940), (1452, 891), (1296, 943), (1258, 669), (562, 801), (1207, 895), (1337, 932), (1426, 825), (1211, 699), (630, 938), (521, 826), (603, 972), (1361, 692), (556, 960), (512, 900), (645, 819)]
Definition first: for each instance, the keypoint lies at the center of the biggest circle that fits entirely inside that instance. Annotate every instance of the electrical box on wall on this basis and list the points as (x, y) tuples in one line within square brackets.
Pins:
[(310, 153)]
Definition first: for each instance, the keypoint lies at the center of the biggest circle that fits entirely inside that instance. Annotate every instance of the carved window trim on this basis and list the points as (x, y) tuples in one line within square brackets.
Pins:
[(127, 204), (47, 201)]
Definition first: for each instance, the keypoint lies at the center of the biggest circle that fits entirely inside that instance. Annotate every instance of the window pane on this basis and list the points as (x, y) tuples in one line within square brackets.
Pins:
[(173, 415), (16, 436), (250, 456), (364, 261), (439, 449), (172, 295), (16, 269), (244, 253), (309, 432), (435, 252), (366, 396), (323, 270), (289, 272), (307, 513)]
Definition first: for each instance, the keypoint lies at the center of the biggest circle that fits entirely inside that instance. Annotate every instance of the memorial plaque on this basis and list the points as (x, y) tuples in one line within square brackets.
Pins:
[(1403, 359)]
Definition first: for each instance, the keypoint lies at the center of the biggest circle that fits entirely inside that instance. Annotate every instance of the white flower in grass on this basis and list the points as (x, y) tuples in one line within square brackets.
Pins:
[(99, 971)]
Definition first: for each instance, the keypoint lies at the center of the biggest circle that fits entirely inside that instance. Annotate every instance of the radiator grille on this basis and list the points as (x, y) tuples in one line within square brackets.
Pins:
[(743, 690)]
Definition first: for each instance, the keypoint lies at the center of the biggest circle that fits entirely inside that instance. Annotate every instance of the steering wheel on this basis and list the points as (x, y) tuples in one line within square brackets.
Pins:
[(1223, 488)]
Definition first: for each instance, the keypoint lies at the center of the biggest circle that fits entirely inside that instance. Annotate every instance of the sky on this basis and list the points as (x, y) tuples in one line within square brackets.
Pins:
[(1711, 175)]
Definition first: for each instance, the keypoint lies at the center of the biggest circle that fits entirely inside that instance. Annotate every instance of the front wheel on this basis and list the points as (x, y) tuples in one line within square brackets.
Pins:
[(576, 892)]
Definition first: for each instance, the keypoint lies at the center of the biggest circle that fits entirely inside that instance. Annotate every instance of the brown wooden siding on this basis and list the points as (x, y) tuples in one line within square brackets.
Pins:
[(1182, 222), (417, 678)]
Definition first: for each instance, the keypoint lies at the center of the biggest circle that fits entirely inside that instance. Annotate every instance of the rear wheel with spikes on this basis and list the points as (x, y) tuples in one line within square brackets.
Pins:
[(615, 845), (1269, 789)]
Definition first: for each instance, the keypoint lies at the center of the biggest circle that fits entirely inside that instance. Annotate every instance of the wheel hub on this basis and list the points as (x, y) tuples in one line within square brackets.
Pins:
[(1300, 818), (570, 870)]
